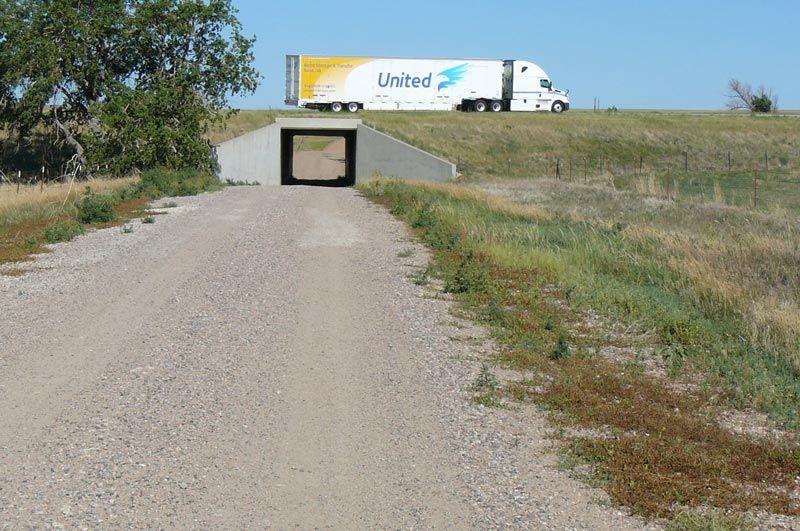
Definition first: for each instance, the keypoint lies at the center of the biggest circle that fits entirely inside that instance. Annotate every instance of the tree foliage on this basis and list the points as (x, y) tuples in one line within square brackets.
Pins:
[(126, 84), (742, 96)]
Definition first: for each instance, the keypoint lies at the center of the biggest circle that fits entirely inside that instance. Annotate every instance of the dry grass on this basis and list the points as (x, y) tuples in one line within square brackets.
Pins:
[(14, 197), (25, 215)]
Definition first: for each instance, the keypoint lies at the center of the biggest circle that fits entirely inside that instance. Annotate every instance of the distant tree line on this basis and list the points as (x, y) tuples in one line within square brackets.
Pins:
[(122, 84)]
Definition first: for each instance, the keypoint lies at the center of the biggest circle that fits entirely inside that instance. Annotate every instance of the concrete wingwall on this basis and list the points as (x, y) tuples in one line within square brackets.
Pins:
[(378, 154), (256, 156), (252, 157)]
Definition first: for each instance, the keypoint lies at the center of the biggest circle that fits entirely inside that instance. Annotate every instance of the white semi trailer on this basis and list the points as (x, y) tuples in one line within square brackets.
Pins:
[(386, 83)]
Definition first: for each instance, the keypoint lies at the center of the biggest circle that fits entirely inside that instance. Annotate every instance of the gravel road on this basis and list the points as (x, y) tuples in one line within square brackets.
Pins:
[(260, 357)]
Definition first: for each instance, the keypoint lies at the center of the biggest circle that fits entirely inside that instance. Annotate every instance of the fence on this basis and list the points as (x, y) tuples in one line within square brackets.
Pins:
[(756, 179)]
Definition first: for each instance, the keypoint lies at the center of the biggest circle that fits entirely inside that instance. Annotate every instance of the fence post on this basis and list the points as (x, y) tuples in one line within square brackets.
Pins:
[(585, 170), (730, 161), (685, 161), (755, 188), (641, 163), (570, 169), (766, 160), (558, 169)]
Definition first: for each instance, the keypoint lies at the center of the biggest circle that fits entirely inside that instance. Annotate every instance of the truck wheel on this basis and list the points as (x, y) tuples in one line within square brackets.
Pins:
[(352, 106), (496, 106), (480, 106), (558, 107), (336, 106)]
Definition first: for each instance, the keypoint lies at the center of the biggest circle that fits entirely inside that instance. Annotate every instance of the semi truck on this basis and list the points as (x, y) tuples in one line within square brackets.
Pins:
[(338, 84)]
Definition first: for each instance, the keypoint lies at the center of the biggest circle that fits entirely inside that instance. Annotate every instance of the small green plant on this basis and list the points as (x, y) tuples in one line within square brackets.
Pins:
[(468, 277), (486, 386), (63, 232), (127, 229), (405, 254), (562, 349), (169, 204), (93, 208), (422, 276), (148, 219)]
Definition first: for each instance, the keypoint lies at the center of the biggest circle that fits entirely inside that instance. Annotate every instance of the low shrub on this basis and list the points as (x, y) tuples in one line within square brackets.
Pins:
[(96, 209), (63, 232)]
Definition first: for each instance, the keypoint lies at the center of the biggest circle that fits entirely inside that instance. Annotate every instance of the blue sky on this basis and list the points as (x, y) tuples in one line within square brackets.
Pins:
[(669, 54)]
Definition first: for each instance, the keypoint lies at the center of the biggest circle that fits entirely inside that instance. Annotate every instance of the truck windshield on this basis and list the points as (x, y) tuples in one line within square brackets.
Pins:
[(545, 83)]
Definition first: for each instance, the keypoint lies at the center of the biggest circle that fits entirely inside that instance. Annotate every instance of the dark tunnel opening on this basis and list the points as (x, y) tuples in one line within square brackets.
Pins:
[(314, 157)]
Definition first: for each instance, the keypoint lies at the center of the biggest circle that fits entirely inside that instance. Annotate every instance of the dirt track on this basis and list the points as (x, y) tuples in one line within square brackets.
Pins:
[(324, 164), (258, 357)]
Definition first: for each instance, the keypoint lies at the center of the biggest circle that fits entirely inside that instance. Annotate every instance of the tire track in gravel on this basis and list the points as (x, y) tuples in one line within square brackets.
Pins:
[(258, 358)]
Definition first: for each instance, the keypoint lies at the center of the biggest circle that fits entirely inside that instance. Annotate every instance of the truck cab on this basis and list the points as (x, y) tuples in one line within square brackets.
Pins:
[(526, 87)]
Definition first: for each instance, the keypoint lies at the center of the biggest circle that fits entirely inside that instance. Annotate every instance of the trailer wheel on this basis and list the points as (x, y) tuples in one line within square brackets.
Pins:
[(496, 106), (480, 106), (558, 107), (336, 106), (352, 106)]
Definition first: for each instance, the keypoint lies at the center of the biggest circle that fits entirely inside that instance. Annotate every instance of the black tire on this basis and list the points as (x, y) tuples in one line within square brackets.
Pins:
[(337, 106), (496, 106), (558, 107), (480, 106), (352, 107)]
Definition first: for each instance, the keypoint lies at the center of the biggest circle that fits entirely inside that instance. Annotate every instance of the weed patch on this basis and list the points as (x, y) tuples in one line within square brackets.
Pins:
[(63, 231), (95, 208), (486, 387)]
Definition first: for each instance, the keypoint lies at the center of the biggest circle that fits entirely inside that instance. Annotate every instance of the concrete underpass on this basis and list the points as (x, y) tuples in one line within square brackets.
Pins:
[(268, 155)]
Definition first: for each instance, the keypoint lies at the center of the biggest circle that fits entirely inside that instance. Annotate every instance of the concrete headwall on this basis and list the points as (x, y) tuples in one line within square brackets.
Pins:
[(256, 156), (378, 154)]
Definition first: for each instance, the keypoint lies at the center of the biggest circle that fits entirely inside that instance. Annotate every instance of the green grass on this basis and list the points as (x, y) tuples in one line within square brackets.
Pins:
[(312, 143), (711, 520), (531, 275)]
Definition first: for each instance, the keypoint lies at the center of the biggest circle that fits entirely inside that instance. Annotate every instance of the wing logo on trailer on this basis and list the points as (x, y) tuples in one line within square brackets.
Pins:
[(452, 76)]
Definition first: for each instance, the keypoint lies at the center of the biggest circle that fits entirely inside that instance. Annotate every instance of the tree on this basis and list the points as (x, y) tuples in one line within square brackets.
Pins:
[(128, 84), (741, 96)]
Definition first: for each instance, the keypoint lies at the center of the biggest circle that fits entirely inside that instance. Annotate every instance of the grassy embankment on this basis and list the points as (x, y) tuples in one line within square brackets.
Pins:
[(32, 216), (539, 277), (633, 151)]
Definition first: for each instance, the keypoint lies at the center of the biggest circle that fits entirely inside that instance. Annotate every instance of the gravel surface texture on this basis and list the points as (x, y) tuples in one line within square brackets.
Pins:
[(260, 357)]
